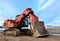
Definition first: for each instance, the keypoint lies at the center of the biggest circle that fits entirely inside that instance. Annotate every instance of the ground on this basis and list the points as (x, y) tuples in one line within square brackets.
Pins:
[(27, 38)]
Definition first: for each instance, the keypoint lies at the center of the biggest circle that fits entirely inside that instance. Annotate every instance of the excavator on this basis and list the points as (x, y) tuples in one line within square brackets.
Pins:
[(22, 22)]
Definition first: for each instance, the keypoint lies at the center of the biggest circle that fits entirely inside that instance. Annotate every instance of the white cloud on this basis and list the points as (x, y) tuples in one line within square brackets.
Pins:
[(1, 20), (40, 2), (6, 6), (47, 4), (54, 23)]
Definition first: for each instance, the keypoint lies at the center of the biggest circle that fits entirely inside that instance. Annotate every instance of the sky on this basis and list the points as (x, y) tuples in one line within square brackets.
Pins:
[(46, 10)]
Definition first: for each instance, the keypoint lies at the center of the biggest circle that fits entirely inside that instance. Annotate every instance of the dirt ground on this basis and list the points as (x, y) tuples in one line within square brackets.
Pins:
[(27, 38)]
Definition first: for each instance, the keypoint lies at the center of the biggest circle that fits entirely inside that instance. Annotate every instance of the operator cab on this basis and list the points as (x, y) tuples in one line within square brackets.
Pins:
[(26, 24), (26, 28)]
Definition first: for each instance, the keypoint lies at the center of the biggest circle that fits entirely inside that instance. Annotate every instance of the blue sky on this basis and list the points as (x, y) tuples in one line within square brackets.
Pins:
[(47, 10)]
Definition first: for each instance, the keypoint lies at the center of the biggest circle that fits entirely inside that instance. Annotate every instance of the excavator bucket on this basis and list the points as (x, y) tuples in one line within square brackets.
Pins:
[(39, 30)]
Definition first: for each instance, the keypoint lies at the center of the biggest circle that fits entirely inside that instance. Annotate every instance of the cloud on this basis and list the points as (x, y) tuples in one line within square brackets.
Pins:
[(6, 9), (6, 6), (1, 20), (54, 23), (46, 4), (52, 18), (41, 2)]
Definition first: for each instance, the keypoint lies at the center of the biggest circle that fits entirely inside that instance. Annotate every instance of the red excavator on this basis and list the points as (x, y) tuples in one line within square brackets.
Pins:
[(22, 22)]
